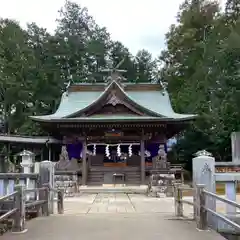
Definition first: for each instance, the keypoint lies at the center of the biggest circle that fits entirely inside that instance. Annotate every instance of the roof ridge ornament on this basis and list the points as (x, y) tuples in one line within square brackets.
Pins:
[(69, 83), (115, 74)]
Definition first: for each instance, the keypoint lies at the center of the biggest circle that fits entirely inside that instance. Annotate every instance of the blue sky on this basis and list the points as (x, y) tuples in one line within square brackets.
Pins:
[(137, 24)]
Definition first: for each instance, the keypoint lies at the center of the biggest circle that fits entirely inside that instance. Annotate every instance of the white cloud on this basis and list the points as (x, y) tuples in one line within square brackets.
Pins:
[(137, 24)]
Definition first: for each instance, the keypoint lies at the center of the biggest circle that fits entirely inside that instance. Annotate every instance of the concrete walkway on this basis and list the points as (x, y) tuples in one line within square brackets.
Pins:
[(113, 216)]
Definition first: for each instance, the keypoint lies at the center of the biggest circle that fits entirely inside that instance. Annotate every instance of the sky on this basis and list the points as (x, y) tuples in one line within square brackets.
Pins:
[(138, 24)]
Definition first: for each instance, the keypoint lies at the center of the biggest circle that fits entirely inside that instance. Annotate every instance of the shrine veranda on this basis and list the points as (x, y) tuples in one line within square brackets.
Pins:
[(112, 131)]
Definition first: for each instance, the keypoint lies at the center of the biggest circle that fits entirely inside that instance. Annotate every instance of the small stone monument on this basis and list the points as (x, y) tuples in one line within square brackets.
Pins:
[(203, 169), (235, 138)]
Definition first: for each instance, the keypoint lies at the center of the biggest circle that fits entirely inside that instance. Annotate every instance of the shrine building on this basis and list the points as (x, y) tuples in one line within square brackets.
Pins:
[(114, 126)]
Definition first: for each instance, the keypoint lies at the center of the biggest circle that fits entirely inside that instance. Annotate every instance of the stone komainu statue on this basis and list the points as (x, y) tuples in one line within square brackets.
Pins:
[(161, 181), (161, 159), (65, 163)]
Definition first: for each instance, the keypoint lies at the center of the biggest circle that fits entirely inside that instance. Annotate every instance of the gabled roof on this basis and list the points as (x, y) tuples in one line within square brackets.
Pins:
[(149, 97)]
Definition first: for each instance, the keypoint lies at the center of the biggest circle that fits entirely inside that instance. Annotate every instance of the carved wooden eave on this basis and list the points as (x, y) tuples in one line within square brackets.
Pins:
[(119, 103), (114, 100), (98, 127)]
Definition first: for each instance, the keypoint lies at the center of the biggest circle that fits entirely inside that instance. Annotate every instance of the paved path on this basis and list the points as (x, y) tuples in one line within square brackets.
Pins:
[(113, 216), (117, 203)]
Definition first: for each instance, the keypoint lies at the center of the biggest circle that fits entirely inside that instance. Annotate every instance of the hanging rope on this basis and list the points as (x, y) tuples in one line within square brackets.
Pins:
[(113, 145)]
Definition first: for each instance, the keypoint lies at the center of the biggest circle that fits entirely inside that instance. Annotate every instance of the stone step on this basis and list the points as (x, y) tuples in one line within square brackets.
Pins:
[(110, 188)]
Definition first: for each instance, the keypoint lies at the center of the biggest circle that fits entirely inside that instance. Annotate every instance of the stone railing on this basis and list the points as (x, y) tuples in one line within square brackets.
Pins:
[(68, 181), (9, 180)]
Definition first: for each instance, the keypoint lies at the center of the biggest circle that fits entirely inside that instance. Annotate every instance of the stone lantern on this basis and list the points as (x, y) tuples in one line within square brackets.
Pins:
[(27, 160)]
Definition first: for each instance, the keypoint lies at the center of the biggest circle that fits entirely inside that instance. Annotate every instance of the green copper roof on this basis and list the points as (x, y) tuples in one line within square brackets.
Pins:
[(75, 101), (155, 101), (111, 118)]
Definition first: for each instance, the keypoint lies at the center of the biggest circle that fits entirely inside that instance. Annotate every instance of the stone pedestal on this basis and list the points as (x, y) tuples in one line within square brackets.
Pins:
[(46, 171), (204, 173)]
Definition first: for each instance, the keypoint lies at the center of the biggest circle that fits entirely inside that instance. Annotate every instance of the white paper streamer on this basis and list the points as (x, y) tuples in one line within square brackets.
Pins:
[(94, 149), (130, 150), (107, 151), (119, 150)]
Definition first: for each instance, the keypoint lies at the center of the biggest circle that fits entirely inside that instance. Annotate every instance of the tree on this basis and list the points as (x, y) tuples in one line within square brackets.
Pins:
[(85, 44), (98, 52), (145, 66), (16, 74), (34, 62), (201, 65), (187, 68), (232, 11), (119, 52), (48, 78), (73, 32)]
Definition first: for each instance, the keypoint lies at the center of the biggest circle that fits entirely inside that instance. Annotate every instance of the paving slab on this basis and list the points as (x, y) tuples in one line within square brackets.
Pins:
[(112, 226), (126, 203), (120, 203), (115, 216)]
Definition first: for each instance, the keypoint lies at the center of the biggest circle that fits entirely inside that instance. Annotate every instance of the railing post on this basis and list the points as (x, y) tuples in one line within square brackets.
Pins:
[(178, 200), (201, 213), (60, 207), (182, 176), (19, 204), (39, 196), (45, 208)]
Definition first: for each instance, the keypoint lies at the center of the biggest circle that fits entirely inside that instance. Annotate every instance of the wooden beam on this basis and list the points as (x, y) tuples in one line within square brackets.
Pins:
[(84, 162), (142, 151)]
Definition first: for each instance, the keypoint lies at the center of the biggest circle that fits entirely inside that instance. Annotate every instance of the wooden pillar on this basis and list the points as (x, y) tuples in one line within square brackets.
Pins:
[(19, 204), (49, 153), (84, 162), (142, 150), (42, 155), (46, 177)]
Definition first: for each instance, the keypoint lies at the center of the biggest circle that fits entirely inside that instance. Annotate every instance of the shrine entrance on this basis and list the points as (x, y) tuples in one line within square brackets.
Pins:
[(114, 155), (113, 129)]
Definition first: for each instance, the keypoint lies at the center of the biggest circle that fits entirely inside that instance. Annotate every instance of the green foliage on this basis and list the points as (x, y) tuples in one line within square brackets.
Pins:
[(145, 66), (201, 68), (35, 65)]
